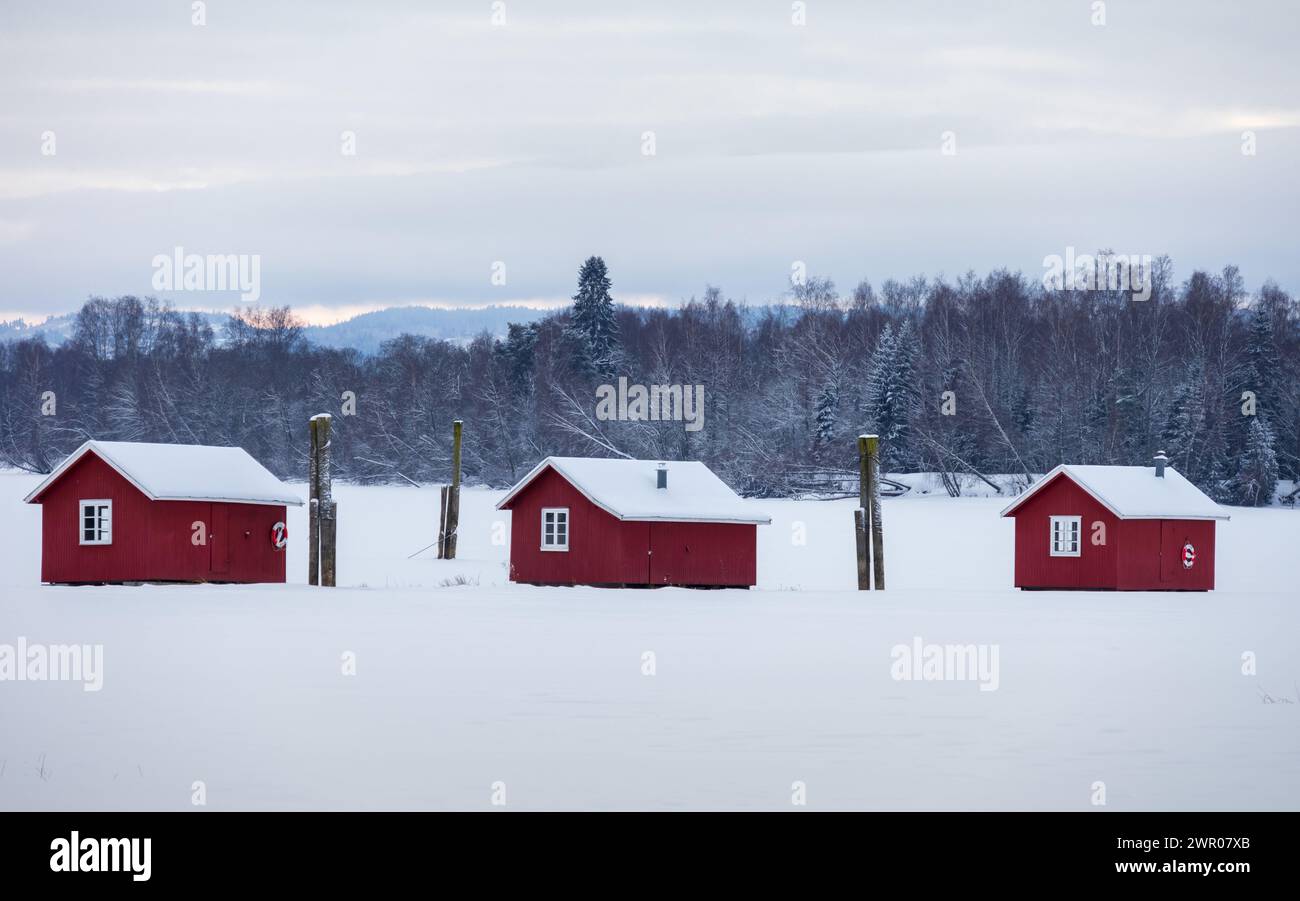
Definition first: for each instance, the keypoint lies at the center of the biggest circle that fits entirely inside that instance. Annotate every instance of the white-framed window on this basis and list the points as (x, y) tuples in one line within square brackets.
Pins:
[(555, 528), (95, 521), (1065, 536)]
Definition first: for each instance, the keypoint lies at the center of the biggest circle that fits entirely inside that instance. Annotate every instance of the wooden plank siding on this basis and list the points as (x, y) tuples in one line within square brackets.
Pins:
[(1139, 554), (604, 550), (152, 540)]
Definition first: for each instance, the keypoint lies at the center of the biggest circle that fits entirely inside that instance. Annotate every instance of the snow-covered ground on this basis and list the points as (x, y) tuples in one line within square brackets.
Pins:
[(459, 687)]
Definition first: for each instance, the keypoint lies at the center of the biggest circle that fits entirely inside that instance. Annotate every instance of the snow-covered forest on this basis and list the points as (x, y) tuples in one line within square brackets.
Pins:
[(992, 374)]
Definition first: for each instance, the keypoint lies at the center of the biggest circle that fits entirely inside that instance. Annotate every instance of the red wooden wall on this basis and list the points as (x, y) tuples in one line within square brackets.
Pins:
[(1139, 554), (602, 548), (605, 550), (152, 540), (1151, 554), (697, 553), (1095, 567)]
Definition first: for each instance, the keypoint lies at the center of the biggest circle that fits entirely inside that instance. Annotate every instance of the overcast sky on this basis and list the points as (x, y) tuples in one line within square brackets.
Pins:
[(523, 143)]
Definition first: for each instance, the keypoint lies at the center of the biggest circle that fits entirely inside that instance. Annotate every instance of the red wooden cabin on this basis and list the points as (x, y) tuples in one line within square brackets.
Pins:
[(583, 521), (117, 511), (1126, 528)]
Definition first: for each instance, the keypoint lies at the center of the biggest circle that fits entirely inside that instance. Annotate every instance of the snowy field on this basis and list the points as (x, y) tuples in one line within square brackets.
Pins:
[(458, 687)]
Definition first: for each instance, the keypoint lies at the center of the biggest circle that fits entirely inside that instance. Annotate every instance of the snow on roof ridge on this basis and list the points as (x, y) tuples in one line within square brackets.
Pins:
[(617, 486), (174, 472), (1132, 492)]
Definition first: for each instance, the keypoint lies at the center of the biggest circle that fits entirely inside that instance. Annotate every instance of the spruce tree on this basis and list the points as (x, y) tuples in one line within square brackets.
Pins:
[(1255, 481), (1264, 364), (592, 321), (1181, 435), (519, 350), (827, 417), (891, 391), (1211, 471)]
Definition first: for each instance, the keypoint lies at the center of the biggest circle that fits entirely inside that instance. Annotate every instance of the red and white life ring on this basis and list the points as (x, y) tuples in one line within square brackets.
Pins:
[(279, 536), (1189, 556)]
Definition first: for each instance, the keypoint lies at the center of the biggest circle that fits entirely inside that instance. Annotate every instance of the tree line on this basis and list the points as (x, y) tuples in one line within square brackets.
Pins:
[(964, 378)]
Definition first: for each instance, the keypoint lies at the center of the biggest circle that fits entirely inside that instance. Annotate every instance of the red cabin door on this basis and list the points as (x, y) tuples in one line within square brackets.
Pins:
[(657, 566), (663, 555), (219, 540), (1171, 549)]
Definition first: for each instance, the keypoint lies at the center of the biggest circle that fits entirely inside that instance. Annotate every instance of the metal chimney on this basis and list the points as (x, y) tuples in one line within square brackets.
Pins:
[(1161, 460), (661, 476)]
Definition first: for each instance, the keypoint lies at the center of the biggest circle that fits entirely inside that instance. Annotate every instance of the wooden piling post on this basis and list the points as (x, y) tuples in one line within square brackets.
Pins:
[(877, 526), (453, 496), (322, 511), (860, 539), (862, 517), (328, 543), (442, 522), (328, 508), (313, 508)]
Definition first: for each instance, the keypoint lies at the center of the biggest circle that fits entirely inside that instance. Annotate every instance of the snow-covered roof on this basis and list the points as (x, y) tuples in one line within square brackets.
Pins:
[(626, 489), (183, 472), (1134, 492)]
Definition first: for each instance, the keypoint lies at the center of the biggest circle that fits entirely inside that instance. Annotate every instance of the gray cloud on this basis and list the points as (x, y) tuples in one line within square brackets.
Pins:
[(522, 143)]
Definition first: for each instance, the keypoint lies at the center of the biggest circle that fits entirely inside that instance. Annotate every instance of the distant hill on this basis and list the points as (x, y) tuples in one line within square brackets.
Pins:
[(56, 329), (365, 332), (369, 330)]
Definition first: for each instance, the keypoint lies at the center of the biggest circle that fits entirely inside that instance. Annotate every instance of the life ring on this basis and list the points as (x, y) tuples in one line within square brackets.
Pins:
[(1189, 556), (279, 536)]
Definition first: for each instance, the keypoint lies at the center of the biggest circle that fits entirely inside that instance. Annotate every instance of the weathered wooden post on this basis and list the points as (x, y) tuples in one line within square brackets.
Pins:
[(449, 513), (871, 550), (862, 517), (453, 496), (442, 521), (328, 508), (322, 520), (877, 525), (313, 507), (860, 539)]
